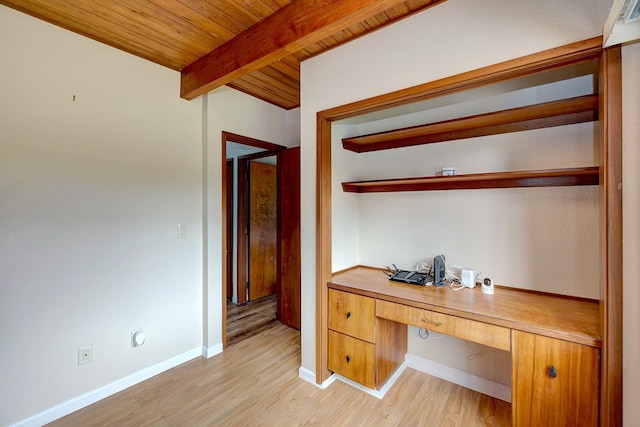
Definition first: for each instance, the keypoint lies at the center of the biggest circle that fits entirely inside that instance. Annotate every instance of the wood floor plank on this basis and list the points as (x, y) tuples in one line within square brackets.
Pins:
[(248, 319), (255, 383)]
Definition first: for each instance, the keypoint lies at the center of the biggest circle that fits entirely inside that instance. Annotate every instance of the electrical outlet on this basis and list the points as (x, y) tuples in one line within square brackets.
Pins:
[(85, 354)]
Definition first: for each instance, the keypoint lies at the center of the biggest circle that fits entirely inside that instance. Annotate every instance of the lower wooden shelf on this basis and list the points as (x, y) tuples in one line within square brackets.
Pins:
[(531, 178)]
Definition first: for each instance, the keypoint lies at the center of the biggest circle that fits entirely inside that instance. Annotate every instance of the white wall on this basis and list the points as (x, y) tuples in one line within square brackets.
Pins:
[(91, 193), (631, 231), (527, 238), (448, 39), (92, 190)]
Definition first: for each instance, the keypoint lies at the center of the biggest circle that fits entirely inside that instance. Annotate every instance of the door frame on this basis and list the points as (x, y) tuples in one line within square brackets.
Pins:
[(245, 140)]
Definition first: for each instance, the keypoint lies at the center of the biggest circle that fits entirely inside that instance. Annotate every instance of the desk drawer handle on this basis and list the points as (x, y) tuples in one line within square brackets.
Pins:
[(431, 322), (552, 371), (348, 314), (348, 358)]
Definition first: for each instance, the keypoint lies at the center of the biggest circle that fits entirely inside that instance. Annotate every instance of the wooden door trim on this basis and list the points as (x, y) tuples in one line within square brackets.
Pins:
[(323, 242), (252, 142), (240, 139), (230, 169), (289, 238), (611, 236), (241, 219), (586, 50)]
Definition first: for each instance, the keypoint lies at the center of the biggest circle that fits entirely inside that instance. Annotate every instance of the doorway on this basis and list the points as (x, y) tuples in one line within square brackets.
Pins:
[(261, 280)]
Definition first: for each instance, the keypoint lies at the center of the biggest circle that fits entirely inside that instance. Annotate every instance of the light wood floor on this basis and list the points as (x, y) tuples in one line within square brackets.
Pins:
[(255, 383)]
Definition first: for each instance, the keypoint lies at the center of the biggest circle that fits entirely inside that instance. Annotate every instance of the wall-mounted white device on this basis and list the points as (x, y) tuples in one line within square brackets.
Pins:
[(138, 338), (448, 171)]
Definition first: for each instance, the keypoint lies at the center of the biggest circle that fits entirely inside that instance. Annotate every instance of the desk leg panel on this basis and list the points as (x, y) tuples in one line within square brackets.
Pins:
[(391, 348)]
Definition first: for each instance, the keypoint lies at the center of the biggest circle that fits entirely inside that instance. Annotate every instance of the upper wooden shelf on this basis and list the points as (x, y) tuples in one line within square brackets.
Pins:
[(549, 114), (541, 178)]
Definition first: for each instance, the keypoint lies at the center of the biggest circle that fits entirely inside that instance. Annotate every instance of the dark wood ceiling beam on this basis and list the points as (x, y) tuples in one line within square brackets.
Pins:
[(300, 23)]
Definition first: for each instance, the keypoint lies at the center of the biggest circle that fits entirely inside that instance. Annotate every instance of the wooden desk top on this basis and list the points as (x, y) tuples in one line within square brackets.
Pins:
[(556, 316)]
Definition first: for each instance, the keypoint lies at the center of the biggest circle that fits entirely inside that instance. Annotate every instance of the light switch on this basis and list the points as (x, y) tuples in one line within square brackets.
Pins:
[(182, 230)]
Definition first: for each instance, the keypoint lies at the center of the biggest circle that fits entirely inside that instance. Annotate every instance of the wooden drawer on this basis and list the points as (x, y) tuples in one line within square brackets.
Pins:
[(471, 330), (352, 314), (352, 358)]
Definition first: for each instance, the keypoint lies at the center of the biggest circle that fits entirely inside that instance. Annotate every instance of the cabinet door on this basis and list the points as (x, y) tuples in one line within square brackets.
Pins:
[(352, 314), (352, 358), (555, 382)]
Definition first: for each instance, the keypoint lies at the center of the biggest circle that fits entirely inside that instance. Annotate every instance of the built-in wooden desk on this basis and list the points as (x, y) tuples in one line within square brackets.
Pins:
[(554, 340)]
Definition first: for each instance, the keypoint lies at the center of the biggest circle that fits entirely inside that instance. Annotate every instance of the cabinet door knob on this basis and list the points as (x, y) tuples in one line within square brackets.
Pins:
[(552, 371), (348, 358), (348, 314)]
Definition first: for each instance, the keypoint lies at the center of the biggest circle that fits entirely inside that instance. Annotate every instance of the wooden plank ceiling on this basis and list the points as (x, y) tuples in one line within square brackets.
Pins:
[(260, 43)]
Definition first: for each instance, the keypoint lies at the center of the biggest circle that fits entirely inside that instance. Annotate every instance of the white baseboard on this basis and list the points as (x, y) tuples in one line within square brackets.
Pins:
[(393, 378), (310, 377), (456, 376), (209, 352), (376, 393), (87, 399)]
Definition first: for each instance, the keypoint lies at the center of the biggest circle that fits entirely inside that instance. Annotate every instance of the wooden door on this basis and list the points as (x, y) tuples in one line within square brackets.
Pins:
[(555, 382), (263, 229), (289, 209)]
